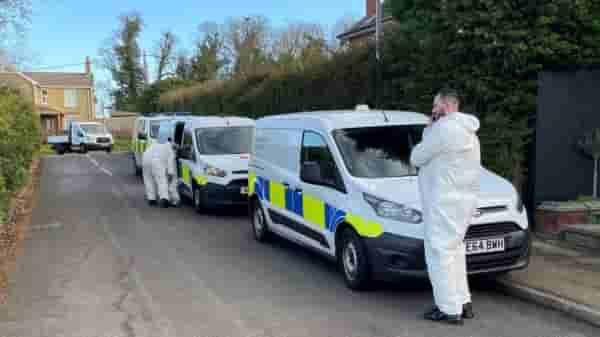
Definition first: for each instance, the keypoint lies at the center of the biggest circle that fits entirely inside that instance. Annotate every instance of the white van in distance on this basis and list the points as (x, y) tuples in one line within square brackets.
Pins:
[(341, 184), (212, 160)]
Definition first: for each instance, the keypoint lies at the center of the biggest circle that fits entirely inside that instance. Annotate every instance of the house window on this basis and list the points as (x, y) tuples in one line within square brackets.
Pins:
[(45, 96), (70, 98)]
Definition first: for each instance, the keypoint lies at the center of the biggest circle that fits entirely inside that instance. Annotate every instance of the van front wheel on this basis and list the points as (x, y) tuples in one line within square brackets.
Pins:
[(197, 198), (259, 223), (354, 261)]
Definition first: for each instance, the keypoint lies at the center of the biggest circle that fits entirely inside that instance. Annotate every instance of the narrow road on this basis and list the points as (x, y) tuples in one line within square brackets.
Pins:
[(125, 269)]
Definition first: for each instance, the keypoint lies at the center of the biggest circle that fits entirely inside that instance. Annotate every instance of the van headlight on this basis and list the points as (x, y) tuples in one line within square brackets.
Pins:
[(392, 210), (214, 171)]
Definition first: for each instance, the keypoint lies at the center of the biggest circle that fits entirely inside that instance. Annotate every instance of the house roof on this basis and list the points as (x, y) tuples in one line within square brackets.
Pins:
[(9, 74), (364, 26), (56, 79)]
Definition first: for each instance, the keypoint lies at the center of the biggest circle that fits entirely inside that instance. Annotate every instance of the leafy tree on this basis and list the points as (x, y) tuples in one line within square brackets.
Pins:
[(459, 44), (122, 59)]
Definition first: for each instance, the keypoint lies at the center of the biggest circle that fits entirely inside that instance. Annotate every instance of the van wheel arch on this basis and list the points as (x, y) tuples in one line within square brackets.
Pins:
[(360, 268), (199, 207), (339, 236)]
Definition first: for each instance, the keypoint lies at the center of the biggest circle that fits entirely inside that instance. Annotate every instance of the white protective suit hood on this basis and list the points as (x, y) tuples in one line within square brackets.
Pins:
[(450, 166)]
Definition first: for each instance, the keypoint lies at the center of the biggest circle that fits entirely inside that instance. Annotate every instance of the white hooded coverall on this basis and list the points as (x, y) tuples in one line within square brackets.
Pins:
[(158, 163), (449, 159)]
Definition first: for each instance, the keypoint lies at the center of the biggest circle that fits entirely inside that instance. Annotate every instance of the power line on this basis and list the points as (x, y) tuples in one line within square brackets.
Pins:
[(92, 61), (62, 66)]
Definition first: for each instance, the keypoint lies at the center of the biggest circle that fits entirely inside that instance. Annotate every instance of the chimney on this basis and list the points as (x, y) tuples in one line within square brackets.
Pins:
[(88, 65), (371, 7)]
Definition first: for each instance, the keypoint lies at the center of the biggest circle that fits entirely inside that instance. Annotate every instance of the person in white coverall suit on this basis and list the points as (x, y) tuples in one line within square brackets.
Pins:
[(159, 169), (450, 164)]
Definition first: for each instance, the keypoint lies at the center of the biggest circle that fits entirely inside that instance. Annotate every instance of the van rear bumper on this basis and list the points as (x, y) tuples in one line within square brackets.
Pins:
[(392, 256)]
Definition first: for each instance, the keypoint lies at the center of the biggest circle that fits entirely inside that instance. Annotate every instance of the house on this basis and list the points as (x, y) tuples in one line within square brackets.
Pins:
[(363, 31), (58, 97)]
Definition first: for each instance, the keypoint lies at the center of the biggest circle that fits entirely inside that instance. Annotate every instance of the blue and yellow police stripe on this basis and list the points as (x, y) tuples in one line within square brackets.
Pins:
[(312, 209)]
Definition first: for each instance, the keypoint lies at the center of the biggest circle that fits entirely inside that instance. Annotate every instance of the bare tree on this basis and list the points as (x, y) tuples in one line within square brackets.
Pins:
[(165, 49), (341, 25), (247, 42), (210, 56), (14, 17), (14, 14), (295, 46)]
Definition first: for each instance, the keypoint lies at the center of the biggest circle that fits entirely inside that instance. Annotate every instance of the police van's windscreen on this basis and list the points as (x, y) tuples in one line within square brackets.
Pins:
[(379, 152), (227, 140)]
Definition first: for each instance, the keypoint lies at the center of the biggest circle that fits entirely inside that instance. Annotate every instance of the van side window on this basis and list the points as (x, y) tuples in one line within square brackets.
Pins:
[(187, 147), (315, 149)]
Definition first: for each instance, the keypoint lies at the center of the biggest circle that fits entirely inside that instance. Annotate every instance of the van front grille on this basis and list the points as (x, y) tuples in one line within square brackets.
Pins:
[(492, 229)]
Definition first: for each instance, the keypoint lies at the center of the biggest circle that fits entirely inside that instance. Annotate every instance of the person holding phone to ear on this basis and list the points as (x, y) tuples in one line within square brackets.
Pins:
[(450, 164)]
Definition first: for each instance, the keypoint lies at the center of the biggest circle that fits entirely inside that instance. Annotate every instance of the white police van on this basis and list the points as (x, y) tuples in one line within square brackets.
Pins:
[(341, 184), (145, 133), (212, 160)]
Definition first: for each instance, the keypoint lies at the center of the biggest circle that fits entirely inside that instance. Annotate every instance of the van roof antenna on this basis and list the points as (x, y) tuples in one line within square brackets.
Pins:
[(385, 117)]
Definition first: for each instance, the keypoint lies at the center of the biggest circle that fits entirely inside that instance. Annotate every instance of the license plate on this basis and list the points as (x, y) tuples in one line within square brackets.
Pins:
[(244, 190), (482, 246)]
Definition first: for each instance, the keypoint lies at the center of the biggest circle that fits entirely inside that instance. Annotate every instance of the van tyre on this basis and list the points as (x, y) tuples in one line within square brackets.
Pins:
[(84, 148), (109, 149), (260, 228), (354, 261), (197, 199)]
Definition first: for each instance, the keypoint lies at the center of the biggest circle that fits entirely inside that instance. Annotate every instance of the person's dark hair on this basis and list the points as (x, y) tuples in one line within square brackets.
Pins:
[(449, 94)]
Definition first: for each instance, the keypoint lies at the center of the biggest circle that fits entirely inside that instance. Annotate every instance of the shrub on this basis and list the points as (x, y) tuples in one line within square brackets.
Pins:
[(19, 141)]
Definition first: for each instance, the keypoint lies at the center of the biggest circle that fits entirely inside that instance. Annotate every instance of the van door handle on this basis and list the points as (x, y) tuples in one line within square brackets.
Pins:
[(286, 185)]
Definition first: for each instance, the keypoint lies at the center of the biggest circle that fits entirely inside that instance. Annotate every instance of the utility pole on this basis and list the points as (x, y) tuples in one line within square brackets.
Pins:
[(378, 56)]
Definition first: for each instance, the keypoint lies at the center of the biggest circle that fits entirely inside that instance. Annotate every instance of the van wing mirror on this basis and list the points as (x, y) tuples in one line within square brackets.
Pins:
[(311, 173)]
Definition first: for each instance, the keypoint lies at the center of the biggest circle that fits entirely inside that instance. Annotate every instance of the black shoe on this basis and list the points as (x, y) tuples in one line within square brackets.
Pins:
[(164, 203), (468, 311), (152, 202), (438, 316)]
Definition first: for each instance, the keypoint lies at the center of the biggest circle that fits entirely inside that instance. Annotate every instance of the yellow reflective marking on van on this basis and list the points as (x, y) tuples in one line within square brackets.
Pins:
[(185, 174), (251, 182), (364, 228), (201, 180), (277, 193), (314, 210)]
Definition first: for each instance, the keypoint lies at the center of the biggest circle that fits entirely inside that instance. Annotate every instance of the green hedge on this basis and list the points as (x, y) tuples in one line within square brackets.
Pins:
[(347, 80), (341, 82), (19, 141)]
